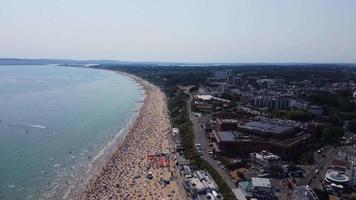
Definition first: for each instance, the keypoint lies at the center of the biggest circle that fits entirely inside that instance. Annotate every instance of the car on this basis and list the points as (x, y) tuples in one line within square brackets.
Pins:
[(198, 146), (316, 171), (219, 162)]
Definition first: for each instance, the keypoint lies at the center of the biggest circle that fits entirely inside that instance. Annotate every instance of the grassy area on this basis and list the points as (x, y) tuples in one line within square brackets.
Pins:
[(180, 119)]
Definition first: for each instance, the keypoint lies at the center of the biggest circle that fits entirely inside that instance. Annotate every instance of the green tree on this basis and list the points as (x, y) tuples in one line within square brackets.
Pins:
[(352, 125), (300, 115), (331, 134), (335, 119)]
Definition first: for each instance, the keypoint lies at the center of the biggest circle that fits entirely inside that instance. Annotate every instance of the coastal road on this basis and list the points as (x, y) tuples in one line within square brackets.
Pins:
[(200, 138)]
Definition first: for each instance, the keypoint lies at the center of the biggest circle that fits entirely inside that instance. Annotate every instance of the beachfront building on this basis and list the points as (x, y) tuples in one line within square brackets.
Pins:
[(199, 183)]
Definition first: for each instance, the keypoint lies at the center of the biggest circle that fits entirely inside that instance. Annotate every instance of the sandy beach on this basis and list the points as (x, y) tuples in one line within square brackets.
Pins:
[(143, 165)]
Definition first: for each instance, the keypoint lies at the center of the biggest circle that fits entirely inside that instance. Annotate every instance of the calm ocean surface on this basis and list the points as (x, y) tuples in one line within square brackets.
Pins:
[(54, 121)]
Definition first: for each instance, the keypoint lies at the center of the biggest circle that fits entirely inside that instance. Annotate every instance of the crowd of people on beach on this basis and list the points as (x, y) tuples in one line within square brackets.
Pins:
[(128, 174)]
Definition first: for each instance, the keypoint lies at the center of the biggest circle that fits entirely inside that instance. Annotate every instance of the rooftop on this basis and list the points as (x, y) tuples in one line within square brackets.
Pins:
[(264, 155), (245, 185), (267, 126), (227, 136), (222, 120), (175, 131), (210, 97), (205, 97), (336, 176), (260, 182), (338, 163)]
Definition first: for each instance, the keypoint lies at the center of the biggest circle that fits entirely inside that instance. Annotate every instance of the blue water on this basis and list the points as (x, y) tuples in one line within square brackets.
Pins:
[(54, 121)]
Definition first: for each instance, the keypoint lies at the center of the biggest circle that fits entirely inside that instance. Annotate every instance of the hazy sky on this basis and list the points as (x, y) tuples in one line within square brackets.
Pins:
[(180, 30)]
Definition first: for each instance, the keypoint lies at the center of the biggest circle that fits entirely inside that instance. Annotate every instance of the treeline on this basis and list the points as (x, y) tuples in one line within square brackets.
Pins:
[(177, 106), (166, 76)]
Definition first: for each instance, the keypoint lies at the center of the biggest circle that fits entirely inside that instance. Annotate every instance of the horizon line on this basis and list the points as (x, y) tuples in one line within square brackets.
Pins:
[(174, 62)]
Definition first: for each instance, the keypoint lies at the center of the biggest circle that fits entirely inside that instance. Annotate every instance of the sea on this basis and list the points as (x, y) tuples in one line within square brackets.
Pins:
[(56, 122)]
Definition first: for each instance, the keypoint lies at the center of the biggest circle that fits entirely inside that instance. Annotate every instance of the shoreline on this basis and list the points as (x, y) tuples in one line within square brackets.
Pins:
[(78, 184), (123, 175)]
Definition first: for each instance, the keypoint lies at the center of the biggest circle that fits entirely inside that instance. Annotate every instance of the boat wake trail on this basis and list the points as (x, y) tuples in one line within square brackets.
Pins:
[(35, 126)]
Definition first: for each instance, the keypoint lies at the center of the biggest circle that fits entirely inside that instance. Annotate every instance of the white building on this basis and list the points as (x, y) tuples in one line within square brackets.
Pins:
[(265, 161), (259, 188), (337, 178), (222, 75)]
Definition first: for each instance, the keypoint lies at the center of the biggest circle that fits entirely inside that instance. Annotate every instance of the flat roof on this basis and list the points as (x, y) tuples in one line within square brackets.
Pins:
[(197, 183), (267, 126), (205, 97), (227, 136), (227, 120), (260, 182), (245, 185), (175, 130)]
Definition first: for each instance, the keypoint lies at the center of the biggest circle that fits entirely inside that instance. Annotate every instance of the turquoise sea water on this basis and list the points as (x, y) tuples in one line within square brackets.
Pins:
[(54, 121)]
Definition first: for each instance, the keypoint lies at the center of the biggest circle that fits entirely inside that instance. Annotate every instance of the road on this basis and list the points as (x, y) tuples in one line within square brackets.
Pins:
[(200, 138), (322, 165)]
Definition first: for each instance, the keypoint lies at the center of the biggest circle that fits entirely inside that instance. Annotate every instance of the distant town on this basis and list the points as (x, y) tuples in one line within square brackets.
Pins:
[(261, 131)]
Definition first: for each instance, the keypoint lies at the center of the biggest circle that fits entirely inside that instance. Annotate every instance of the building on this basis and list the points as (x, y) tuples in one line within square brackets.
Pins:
[(340, 165), (234, 80), (265, 161), (199, 183), (298, 104), (259, 188), (176, 139), (272, 102), (315, 109), (222, 75), (268, 129), (211, 98), (304, 193), (337, 178), (227, 124), (281, 139), (267, 82)]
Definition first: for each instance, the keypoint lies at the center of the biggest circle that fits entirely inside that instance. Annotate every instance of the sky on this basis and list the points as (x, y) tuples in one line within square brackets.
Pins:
[(180, 30)]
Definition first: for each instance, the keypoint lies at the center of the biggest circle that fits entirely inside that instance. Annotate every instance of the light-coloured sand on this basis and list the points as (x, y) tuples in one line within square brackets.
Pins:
[(124, 176)]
